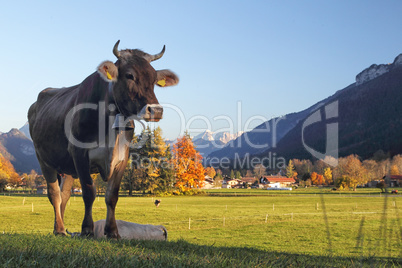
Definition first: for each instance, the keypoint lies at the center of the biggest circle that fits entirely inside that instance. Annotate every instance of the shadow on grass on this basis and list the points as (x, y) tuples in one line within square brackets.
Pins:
[(34, 250)]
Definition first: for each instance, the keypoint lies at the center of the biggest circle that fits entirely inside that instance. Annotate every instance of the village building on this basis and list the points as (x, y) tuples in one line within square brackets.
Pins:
[(277, 181), (228, 184), (393, 180), (208, 182), (42, 189)]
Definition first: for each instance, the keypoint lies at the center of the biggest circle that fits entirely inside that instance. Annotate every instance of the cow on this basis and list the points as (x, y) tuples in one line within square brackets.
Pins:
[(87, 128), (130, 230)]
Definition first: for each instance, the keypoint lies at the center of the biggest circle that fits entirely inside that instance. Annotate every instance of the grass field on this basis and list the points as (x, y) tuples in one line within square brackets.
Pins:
[(358, 228)]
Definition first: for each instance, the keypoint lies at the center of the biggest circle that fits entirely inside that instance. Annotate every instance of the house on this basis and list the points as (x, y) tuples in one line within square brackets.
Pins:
[(393, 180), (277, 181), (208, 182), (228, 184), (248, 180), (42, 189)]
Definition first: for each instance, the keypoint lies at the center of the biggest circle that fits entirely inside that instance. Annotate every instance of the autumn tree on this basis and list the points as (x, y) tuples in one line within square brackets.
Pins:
[(394, 170), (290, 170), (317, 179), (259, 170), (3, 181), (371, 168), (187, 164), (100, 184), (30, 179), (303, 168), (7, 172), (354, 171), (397, 161), (210, 171), (313, 177), (328, 176)]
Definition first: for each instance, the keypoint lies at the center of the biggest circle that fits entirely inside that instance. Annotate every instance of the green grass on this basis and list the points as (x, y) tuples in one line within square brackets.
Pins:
[(250, 228)]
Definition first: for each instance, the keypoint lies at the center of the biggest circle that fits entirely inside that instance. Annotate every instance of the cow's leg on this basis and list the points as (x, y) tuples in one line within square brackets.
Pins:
[(119, 163), (88, 194), (54, 195), (111, 198), (88, 190), (66, 185)]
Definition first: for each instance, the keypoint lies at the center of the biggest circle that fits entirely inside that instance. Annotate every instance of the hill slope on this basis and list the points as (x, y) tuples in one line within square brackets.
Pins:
[(20, 150), (369, 119), (367, 114)]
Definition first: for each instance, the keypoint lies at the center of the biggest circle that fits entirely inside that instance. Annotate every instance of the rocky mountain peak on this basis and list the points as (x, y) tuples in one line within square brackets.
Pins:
[(375, 70)]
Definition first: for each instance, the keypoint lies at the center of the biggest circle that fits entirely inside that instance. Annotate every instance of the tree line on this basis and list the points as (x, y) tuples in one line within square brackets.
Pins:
[(156, 168), (349, 173)]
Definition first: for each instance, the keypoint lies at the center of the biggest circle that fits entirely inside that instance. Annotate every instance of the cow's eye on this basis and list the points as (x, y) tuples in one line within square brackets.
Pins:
[(129, 76)]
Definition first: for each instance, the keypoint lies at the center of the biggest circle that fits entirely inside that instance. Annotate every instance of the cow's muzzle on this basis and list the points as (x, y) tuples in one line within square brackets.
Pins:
[(151, 113)]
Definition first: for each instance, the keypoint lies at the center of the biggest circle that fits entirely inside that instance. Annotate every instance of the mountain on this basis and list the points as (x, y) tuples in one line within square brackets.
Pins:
[(262, 137), (25, 129), (208, 141), (367, 113), (206, 135), (368, 117), (17, 148)]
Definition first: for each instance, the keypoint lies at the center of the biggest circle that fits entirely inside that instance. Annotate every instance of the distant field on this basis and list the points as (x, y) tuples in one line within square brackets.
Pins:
[(358, 225)]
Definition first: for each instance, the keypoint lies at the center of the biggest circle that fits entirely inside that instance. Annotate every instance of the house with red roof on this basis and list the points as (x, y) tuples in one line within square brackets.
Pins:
[(276, 181)]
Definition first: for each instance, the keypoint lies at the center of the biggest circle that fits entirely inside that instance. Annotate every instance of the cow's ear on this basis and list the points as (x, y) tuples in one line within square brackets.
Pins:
[(166, 78), (108, 71)]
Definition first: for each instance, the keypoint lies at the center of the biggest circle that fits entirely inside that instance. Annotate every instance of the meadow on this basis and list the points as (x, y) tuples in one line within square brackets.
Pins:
[(224, 227)]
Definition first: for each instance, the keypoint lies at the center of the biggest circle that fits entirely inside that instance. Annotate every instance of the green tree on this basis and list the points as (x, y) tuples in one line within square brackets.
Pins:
[(232, 175), (149, 168)]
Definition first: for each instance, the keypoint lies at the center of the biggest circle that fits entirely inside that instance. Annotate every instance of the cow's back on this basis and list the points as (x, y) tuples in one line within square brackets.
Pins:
[(46, 119)]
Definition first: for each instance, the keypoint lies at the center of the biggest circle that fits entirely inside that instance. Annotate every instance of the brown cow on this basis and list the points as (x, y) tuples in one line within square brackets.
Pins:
[(74, 130)]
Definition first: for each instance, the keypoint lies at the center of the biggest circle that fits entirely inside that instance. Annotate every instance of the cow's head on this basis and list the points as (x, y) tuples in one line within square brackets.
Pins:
[(134, 80)]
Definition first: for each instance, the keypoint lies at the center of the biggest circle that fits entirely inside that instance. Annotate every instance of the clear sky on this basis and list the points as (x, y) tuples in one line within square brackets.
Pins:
[(239, 62)]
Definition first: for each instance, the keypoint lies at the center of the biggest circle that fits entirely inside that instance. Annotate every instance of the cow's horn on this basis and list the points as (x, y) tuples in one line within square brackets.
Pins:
[(116, 50), (150, 58)]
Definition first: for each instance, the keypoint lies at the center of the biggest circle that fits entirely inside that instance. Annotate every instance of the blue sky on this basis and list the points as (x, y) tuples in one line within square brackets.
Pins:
[(238, 61)]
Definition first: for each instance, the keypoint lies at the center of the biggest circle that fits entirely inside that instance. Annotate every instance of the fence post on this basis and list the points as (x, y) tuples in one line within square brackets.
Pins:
[(32, 208), (189, 223), (266, 218)]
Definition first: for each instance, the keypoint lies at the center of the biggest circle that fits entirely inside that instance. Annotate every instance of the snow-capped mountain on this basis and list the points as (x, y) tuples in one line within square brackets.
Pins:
[(223, 137), (207, 135), (207, 142)]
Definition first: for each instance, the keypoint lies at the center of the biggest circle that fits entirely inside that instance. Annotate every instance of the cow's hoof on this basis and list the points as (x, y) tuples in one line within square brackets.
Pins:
[(113, 236), (87, 234), (56, 233)]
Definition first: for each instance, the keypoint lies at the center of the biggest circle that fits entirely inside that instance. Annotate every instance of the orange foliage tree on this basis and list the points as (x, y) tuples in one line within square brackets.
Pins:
[(7, 172), (187, 164)]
